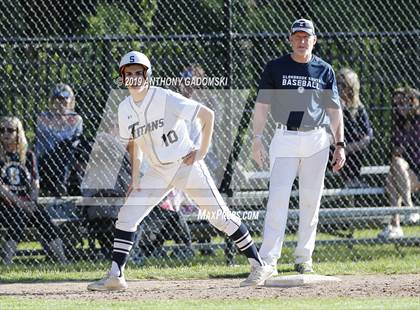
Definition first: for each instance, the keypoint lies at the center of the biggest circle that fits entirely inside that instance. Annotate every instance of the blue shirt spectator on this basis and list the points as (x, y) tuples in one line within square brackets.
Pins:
[(358, 131), (57, 134), (53, 128)]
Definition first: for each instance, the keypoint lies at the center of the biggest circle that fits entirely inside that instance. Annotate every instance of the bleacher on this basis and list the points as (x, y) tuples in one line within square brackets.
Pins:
[(340, 221)]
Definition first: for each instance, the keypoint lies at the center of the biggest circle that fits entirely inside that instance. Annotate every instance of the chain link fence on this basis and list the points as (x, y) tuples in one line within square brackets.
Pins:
[(228, 43)]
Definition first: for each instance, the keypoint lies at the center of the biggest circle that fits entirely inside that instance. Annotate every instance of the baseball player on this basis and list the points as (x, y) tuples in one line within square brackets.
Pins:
[(300, 89), (152, 122)]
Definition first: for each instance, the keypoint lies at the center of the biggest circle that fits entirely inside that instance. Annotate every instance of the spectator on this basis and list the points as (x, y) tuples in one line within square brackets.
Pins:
[(19, 186), (404, 172), (57, 133), (357, 128)]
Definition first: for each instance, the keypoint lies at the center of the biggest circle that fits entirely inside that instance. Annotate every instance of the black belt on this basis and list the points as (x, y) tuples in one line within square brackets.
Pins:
[(291, 128)]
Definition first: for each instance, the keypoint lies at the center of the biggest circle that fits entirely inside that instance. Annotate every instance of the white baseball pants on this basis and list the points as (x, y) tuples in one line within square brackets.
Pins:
[(302, 154), (194, 180)]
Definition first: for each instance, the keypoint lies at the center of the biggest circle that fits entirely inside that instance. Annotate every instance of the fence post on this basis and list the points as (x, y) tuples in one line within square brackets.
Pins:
[(230, 249)]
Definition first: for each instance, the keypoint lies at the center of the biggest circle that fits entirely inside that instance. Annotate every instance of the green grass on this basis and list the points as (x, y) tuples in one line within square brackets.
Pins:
[(328, 260), (393, 263), (284, 303), (409, 231)]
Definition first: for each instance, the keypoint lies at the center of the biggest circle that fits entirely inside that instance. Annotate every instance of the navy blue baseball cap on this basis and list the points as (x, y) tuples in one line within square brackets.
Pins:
[(62, 91), (62, 94), (187, 74), (304, 25)]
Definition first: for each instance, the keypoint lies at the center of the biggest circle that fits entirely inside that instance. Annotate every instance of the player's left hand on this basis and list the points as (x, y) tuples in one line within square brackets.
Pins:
[(192, 157), (339, 158), (133, 187)]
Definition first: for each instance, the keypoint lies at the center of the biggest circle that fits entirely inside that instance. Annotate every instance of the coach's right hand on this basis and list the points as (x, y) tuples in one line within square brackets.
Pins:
[(259, 153)]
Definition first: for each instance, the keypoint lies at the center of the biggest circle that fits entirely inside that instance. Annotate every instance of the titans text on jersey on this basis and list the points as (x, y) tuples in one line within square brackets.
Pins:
[(149, 127)]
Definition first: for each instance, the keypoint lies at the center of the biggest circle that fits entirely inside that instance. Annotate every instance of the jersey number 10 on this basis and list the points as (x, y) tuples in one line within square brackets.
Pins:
[(169, 138)]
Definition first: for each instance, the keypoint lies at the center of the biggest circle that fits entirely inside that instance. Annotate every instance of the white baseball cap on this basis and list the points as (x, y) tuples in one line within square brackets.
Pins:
[(304, 25), (138, 58)]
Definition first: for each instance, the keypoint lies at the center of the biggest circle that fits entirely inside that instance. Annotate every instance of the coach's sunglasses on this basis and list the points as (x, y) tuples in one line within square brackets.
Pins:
[(7, 129)]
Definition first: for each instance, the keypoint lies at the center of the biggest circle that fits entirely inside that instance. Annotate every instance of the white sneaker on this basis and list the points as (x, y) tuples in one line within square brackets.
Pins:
[(258, 275), (109, 283), (391, 232), (413, 218)]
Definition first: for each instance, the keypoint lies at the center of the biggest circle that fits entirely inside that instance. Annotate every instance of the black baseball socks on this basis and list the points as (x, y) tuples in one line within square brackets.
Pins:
[(123, 242), (246, 245)]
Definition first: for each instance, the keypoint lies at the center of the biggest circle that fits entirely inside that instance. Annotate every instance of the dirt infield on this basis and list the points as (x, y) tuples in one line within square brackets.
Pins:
[(351, 286)]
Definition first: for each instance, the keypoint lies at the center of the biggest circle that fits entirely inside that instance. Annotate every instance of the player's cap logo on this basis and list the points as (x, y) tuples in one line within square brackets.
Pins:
[(304, 25)]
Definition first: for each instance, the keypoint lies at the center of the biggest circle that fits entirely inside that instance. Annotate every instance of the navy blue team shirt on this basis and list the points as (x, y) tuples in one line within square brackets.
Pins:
[(17, 177), (305, 88)]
